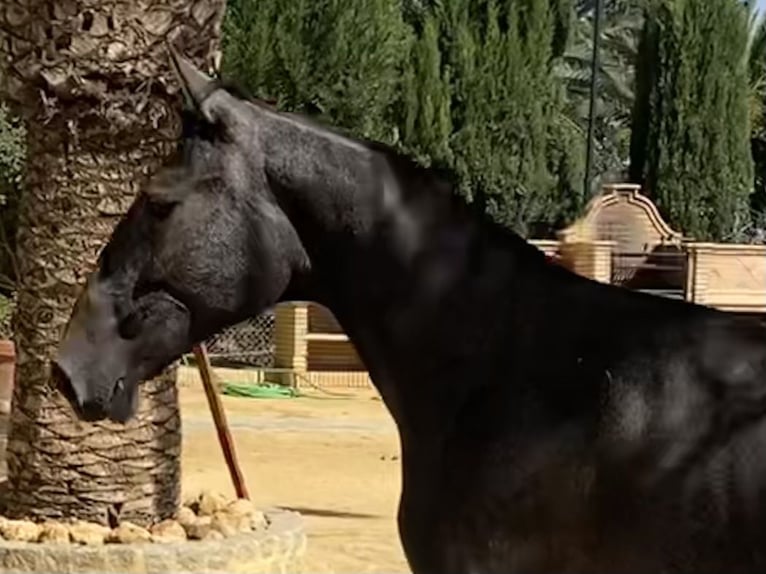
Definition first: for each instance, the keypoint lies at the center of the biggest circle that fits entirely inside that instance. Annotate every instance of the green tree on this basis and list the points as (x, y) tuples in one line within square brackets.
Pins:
[(465, 84), (615, 80), (339, 60), (426, 119), (501, 129), (12, 155), (690, 145), (757, 74)]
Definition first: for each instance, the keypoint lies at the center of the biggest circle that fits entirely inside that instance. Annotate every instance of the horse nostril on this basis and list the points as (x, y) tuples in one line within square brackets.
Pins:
[(93, 410)]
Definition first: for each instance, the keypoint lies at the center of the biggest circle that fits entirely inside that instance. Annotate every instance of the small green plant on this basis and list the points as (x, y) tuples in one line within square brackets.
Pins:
[(12, 153), (12, 158), (6, 311)]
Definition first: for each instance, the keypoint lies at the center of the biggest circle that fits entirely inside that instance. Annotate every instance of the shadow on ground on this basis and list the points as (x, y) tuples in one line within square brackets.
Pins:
[(329, 513)]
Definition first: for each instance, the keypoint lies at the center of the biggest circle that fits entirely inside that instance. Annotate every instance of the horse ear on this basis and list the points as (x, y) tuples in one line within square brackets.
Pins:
[(196, 86)]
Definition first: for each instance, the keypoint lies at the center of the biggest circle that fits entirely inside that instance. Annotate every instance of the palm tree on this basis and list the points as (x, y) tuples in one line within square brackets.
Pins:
[(621, 25), (87, 79)]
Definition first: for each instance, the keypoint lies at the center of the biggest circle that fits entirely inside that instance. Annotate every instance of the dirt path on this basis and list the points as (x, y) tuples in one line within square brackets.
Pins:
[(334, 460)]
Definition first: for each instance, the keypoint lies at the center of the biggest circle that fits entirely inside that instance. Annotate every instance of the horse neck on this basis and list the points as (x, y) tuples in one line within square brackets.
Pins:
[(391, 248)]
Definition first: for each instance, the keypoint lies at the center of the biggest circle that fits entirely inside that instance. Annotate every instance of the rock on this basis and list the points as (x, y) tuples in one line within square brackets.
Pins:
[(168, 531), (211, 502), (258, 520), (129, 533), (20, 530), (198, 529), (240, 507), (186, 516), (88, 533), (244, 524), (192, 503), (213, 535), (229, 524), (53, 533)]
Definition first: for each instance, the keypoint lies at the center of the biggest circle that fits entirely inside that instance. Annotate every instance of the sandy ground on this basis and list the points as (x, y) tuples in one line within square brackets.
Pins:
[(335, 460)]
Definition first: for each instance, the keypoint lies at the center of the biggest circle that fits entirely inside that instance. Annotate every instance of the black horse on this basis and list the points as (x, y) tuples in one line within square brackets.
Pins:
[(548, 423)]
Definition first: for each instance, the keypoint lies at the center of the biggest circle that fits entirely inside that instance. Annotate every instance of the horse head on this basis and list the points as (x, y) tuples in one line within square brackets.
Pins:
[(204, 245)]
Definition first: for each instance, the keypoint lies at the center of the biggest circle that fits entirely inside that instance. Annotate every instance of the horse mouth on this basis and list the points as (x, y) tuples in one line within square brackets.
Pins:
[(117, 407), (123, 401)]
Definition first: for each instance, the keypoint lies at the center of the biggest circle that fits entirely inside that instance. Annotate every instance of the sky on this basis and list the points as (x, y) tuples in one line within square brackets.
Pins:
[(762, 5)]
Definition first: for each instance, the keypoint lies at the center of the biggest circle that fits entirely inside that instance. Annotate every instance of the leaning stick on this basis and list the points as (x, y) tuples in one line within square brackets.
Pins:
[(219, 418)]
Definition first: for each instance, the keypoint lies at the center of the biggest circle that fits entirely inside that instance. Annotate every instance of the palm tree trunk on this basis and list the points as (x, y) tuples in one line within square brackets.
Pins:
[(85, 76)]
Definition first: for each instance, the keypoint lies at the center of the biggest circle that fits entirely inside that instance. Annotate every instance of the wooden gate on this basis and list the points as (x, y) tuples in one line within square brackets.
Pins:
[(645, 253)]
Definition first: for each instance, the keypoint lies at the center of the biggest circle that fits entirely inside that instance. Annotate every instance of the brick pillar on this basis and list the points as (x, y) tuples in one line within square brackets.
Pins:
[(591, 259), (291, 324)]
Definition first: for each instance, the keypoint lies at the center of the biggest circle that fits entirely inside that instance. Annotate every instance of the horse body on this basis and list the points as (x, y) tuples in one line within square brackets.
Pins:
[(548, 423)]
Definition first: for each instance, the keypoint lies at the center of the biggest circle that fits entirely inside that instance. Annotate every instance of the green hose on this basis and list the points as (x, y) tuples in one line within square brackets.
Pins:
[(259, 391)]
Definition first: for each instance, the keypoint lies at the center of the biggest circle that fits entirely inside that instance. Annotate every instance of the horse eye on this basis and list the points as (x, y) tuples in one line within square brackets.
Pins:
[(160, 209)]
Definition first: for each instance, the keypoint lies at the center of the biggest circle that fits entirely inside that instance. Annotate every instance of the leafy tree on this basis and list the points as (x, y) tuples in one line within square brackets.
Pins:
[(427, 121), (484, 70), (757, 75), (12, 155), (464, 84), (690, 145), (340, 60), (620, 29)]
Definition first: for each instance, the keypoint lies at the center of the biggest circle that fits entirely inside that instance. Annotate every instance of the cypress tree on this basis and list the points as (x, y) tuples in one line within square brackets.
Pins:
[(464, 84), (339, 60), (757, 65), (426, 119), (690, 146), (509, 140)]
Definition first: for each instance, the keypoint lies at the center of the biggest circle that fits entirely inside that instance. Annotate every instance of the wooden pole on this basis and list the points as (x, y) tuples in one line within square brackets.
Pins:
[(219, 418)]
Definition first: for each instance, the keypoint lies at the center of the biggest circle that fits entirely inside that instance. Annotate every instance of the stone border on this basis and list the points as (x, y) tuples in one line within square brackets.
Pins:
[(278, 548)]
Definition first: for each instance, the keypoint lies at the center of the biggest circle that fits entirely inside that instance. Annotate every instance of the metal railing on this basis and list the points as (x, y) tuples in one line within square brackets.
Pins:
[(661, 273)]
